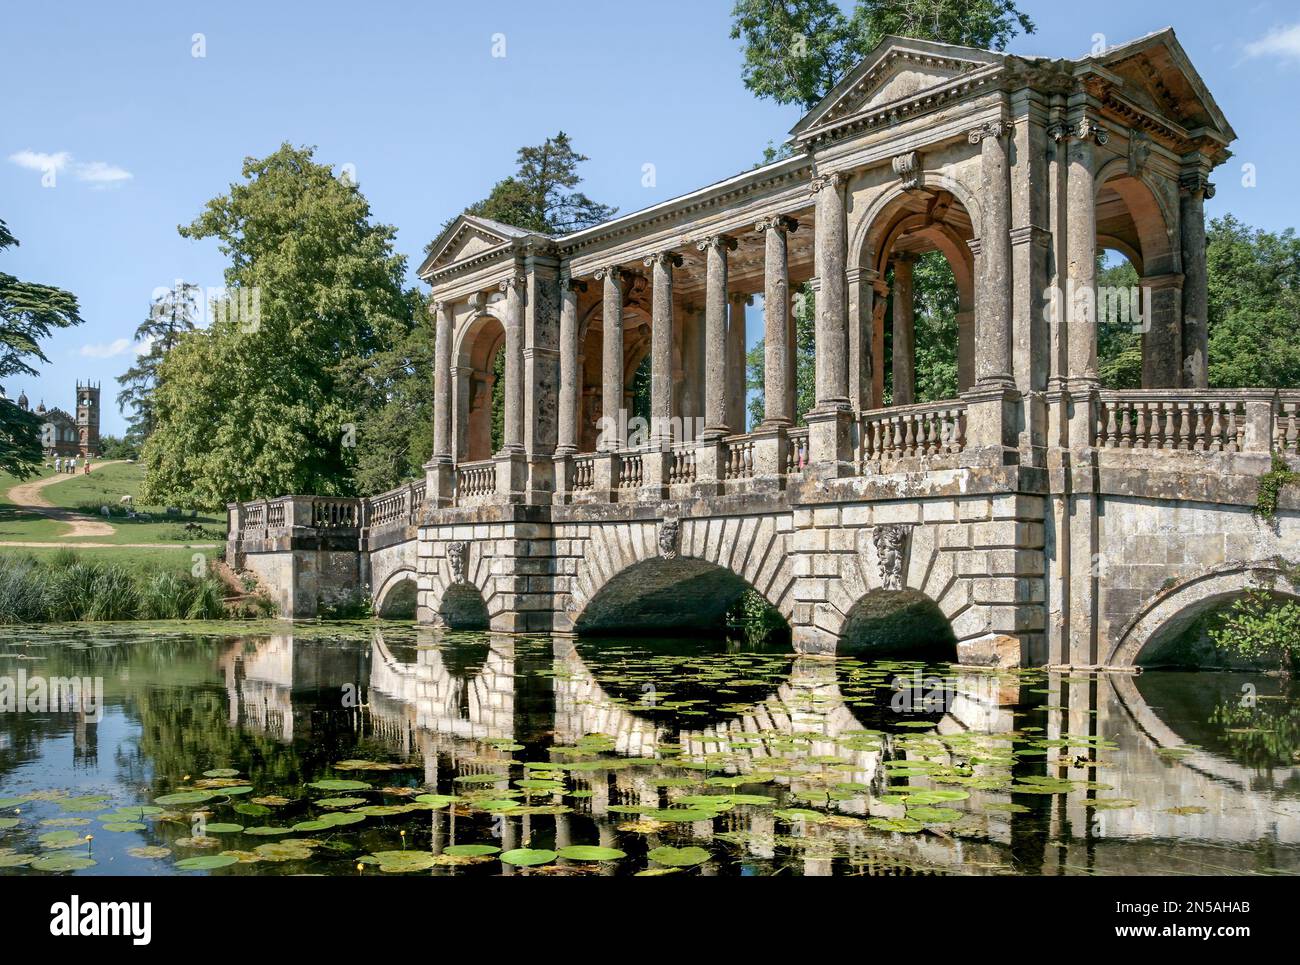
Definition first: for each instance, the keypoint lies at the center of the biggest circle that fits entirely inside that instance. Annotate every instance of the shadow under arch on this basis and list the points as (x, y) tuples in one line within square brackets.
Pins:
[(898, 623), (1146, 639), (682, 594), (462, 607), (396, 599)]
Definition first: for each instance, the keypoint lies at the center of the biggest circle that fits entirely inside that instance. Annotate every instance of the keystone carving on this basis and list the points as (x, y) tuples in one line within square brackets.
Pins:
[(668, 533), (908, 167), (457, 553), (891, 551)]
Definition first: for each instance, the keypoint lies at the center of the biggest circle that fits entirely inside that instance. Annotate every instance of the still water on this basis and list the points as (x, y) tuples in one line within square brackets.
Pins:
[(381, 749)]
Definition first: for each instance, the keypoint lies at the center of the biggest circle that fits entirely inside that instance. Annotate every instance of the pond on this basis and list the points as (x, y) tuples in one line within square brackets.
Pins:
[(384, 749)]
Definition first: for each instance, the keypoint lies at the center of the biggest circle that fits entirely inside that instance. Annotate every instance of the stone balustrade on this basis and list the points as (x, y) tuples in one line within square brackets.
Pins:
[(1200, 420), (929, 431), (476, 481)]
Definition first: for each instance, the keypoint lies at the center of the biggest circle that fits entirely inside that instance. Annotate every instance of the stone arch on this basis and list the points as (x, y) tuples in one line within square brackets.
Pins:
[(396, 597), (866, 232), (897, 621), (475, 581), (1154, 225), (732, 552), (1174, 608), (478, 343)]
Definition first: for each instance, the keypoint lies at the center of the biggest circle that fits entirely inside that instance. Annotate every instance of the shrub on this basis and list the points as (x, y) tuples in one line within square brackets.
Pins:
[(22, 591), (1261, 626)]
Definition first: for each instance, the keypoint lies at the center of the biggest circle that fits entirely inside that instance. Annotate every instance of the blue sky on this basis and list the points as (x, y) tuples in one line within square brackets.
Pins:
[(411, 95)]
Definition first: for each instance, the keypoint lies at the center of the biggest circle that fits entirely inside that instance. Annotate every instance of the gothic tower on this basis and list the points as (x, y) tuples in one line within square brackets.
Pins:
[(88, 418)]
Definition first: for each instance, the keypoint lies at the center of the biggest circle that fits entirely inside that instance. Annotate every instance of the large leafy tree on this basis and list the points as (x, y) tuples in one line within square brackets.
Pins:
[(172, 314), (29, 312), (797, 50), (274, 396)]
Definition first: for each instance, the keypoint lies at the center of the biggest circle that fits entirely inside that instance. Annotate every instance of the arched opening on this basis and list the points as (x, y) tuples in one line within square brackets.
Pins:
[(917, 274), (480, 389), (462, 608), (657, 596), (1139, 304), (397, 601), (1187, 641), (898, 623)]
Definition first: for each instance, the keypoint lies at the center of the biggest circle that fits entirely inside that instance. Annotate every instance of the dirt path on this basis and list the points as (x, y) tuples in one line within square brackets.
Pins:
[(27, 496)]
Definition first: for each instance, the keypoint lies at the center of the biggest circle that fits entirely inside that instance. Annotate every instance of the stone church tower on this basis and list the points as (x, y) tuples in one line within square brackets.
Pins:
[(88, 418)]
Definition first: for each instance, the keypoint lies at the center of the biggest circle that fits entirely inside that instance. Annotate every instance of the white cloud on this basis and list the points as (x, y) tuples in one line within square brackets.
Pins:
[(1281, 41), (100, 174), (40, 161), (115, 347)]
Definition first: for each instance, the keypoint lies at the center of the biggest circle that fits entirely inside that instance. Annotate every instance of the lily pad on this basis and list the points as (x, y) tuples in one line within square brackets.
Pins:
[(399, 862), (63, 862), (184, 797), (529, 857), (678, 857), (123, 826), (206, 862), (590, 852), (471, 850), (336, 784)]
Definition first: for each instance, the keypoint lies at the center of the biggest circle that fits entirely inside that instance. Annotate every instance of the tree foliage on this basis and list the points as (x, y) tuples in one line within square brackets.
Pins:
[(1261, 626), (29, 312), (280, 399), (171, 315), (797, 50)]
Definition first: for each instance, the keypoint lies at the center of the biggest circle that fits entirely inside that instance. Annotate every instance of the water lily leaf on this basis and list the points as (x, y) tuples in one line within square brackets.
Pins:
[(223, 828), (398, 862), (151, 852), (681, 814), (340, 818), (239, 789), (6, 823), (337, 784), (678, 857), (928, 815), (62, 862), (252, 810), (267, 831), (312, 826), (121, 826), (184, 797), (435, 800), (471, 850), (657, 872), (205, 862), (282, 851), (61, 839), (590, 852), (528, 857), (221, 772), (16, 860), (341, 802)]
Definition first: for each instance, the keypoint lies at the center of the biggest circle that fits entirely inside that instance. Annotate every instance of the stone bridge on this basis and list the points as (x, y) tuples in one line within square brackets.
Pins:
[(1037, 517)]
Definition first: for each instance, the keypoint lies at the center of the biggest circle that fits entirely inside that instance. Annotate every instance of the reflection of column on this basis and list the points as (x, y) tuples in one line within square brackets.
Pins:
[(777, 347), (904, 337), (612, 356), (570, 373), (513, 429), (442, 380), (831, 323), (736, 361), (993, 302), (661, 345), (715, 334), (1194, 190)]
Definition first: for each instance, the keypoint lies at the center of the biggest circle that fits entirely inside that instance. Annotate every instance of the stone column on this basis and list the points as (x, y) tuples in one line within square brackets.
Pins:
[(611, 395), (832, 304), (715, 249), (570, 374), (880, 302), (1194, 190), (993, 365), (904, 335), (862, 361), (442, 380), (736, 361), (965, 350), (513, 430), (661, 346), (1162, 328), (1081, 242), (777, 348)]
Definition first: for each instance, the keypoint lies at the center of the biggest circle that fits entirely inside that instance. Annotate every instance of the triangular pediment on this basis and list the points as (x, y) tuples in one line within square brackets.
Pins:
[(899, 70), (1158, 76), (468, 235)]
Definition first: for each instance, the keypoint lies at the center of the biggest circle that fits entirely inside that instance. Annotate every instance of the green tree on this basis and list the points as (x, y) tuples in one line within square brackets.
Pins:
[(171, 315), (274, 395), (29, 312), (797, 50), (1119, 346), (1261, 626)]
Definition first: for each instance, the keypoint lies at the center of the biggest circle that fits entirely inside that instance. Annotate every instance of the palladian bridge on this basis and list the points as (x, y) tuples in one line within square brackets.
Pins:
[(1038, 516)]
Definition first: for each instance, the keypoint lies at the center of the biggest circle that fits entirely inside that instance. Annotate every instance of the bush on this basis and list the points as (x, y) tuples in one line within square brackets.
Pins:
[(22, 591), (1260, 626)]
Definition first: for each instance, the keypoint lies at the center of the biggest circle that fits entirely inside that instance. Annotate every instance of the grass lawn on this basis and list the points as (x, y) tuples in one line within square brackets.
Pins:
[(141, 560), (104, 486)]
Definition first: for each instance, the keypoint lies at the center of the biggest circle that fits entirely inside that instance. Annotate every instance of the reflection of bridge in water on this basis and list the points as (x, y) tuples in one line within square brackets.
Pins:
[(804, 737)]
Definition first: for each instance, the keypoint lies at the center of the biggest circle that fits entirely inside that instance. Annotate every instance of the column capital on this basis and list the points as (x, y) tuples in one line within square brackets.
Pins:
[(741, 297), (834, 180), (777, 222), (718, 242), (995, 129), (615, 273), (575, 284), (666, 259), (437, 305), (1191, 183), (517, 280), (1085, 128)]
